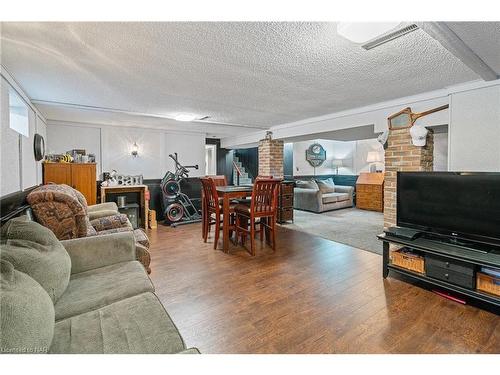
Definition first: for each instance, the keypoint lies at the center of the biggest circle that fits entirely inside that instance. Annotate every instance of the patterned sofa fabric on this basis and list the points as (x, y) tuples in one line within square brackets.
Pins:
[(111, 222)]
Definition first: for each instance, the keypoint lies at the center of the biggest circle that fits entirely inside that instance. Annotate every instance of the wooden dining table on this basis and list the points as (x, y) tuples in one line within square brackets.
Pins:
[(228, 193)]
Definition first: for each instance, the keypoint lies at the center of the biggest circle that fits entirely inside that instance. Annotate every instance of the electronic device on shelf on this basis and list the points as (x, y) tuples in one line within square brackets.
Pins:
[(401, 232), (462, 208)]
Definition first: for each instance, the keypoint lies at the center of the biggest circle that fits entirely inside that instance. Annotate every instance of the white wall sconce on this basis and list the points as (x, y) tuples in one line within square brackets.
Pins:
[(135, 150)]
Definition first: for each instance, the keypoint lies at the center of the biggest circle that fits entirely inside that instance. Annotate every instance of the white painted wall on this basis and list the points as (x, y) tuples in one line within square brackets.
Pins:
[(475, 130), (19, 170), (440, 161), (352, 153), (62, 139), (112, 146)]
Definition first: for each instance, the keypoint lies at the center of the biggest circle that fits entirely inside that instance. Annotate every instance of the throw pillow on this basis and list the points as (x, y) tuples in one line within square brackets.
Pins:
[(35, 250), (326, 186), (27, 318)]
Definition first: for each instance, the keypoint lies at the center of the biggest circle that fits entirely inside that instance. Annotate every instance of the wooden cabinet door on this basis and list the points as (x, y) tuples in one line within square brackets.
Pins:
[(83, 179), (57, 173)]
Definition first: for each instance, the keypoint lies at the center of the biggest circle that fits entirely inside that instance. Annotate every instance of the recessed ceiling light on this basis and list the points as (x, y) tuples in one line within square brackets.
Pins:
[(361, 32), (186, 117)]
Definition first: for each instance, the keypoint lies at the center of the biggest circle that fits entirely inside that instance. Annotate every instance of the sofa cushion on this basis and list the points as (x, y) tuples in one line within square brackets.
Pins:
[(99, 287), (27, 313), (326, 186), (307, 184), (137, 324), (35, 251), (334, 197)]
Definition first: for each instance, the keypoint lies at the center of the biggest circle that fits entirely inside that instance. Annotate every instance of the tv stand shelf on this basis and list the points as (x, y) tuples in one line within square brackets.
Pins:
[(446, 250)]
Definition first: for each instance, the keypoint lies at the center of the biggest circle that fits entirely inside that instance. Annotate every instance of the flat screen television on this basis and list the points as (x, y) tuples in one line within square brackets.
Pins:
[(458, 205)]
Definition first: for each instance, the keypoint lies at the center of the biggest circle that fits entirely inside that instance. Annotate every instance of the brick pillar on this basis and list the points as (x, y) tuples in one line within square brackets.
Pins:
[(271, 158), (402, 155)]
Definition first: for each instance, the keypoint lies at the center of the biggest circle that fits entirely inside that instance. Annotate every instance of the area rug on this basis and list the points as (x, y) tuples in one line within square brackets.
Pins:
[(350, 226)]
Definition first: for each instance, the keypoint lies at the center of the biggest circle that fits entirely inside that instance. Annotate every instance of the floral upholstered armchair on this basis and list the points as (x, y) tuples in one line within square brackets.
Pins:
[(65, 212)]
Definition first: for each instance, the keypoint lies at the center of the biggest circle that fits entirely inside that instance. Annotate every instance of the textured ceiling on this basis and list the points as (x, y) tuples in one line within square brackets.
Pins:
[(257, 74), (483, 38)]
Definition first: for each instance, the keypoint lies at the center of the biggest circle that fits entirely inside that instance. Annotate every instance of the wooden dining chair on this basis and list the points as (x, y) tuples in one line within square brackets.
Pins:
[(219, 180), (213, 210), (263, 207)]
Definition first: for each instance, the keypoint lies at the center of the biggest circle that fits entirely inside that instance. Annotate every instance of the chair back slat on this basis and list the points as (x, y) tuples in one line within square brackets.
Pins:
[(209, 192), (219, 180), (265, 196)]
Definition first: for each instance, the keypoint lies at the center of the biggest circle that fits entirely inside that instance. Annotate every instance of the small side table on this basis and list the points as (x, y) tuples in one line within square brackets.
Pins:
[(110, 193)]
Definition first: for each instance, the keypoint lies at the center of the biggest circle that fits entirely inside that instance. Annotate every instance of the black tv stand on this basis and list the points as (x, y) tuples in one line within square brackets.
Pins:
[(469, 245), (445, 250)]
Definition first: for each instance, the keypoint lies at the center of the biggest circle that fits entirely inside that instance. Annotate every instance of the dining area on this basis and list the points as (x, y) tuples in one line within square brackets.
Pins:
[(239, 213)]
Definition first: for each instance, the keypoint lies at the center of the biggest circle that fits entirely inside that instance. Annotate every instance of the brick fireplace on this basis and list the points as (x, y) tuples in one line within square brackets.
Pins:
[(402, 155)]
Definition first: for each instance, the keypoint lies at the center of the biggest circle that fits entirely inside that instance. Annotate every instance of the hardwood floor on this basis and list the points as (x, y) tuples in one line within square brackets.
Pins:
[(311, 296)]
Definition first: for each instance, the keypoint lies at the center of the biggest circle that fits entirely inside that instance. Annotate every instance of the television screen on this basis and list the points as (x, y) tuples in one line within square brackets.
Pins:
[(459, 204)]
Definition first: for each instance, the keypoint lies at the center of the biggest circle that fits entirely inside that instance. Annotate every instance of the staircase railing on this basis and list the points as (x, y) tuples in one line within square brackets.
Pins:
[(238, 173)]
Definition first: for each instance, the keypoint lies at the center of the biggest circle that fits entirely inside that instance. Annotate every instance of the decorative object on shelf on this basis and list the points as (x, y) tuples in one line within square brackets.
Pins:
[(406, 118), (336, 164), (135, 150), (39, 147), (91, 158), (383, 137), (269, 135), (419, 135), (373, 158), (109, 178), (66, 158), (315, 155), (129, 180), (121, 201)]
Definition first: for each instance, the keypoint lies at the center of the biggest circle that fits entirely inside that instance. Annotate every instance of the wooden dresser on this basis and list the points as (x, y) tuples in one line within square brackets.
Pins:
[(80, 176), (285, 202), (370, 191)]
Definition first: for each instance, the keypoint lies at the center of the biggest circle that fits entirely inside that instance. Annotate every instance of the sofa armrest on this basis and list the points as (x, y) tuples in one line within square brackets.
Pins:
[(344, 189), (102, 210), (88, 253), (307, 199), (190, 351), (111, 222)]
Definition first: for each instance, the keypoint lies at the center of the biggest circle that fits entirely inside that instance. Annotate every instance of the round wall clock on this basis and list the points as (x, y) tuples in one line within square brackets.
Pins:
[(39, 147), (315, 155)]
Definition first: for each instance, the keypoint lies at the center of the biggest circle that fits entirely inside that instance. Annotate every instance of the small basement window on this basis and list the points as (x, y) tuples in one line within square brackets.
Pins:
[(18, 114)]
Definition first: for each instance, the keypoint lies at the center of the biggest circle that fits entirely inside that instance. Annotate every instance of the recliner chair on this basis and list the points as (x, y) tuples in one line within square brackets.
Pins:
[(65, 212)]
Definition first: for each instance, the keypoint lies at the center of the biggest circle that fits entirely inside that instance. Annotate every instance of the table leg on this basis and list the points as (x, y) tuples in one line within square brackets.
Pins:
[(225, 224)]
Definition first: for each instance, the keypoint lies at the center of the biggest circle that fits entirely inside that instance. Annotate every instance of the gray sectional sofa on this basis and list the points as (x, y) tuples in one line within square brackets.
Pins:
[(322, 195), (85, 295)]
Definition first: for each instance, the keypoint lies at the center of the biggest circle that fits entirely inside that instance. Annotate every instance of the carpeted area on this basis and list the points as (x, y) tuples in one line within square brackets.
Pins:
[(350, 226)]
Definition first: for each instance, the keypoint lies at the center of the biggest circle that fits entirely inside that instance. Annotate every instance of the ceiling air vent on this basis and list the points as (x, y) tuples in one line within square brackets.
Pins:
[(389, 36)]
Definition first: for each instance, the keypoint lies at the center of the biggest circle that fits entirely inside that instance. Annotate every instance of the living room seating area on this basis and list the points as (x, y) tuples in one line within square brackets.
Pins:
[(320, 195), (99, 296)]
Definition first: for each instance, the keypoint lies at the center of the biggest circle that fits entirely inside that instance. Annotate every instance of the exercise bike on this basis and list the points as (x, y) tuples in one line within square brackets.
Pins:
[(179, 209)]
